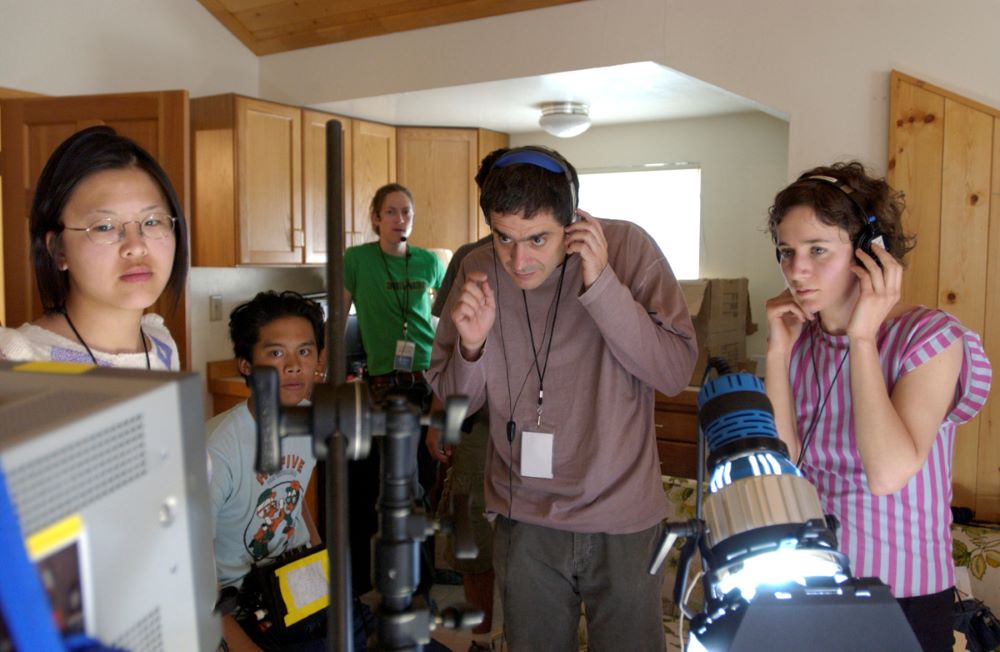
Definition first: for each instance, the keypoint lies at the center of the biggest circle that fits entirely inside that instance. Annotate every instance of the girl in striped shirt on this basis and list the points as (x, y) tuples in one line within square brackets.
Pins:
[(867, 390)]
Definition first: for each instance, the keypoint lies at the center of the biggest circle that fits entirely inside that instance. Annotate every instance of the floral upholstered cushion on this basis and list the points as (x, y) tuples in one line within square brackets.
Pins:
[(680, 507), (977, 548)]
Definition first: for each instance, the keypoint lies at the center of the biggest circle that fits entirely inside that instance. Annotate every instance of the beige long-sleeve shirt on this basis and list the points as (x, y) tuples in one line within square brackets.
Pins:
[(629, 333)]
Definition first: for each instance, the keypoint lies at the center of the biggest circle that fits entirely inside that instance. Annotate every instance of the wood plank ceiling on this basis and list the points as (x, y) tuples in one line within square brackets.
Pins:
[(271, 26)]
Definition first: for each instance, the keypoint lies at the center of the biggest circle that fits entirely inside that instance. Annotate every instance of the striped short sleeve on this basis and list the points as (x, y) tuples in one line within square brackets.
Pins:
[(935, 332)]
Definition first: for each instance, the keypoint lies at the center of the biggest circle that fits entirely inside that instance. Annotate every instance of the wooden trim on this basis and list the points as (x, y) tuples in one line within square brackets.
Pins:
[(972, 104), (13, 93), (233, 24), (271, 26)]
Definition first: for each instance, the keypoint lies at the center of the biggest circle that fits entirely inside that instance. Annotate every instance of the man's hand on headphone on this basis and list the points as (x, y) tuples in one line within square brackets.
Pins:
[(586, 237), (473, 314)]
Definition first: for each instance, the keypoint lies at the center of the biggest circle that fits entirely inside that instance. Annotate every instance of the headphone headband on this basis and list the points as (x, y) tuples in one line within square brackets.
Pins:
[(540, 159), (870, 231), (847, 190)]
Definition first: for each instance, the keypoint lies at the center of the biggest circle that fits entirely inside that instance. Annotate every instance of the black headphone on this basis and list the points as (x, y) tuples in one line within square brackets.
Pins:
[(869, 233), (538, 157)]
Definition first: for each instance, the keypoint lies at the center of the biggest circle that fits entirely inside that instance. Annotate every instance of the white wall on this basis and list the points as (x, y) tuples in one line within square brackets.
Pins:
[(826, 65), (210, 339), (75, 47), (743, 158)]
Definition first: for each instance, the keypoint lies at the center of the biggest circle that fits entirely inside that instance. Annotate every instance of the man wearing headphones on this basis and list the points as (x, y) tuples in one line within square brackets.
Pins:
[(564, 326)]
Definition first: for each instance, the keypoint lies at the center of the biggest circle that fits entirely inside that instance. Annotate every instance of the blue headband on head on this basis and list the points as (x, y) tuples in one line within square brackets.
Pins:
[(542, 160), (530, 157)]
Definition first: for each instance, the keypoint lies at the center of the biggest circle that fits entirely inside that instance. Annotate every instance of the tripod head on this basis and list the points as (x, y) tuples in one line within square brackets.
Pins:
[(342, 423)]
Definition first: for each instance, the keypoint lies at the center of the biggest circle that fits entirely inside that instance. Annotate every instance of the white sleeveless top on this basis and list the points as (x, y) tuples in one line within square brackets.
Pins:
[(30, 342)]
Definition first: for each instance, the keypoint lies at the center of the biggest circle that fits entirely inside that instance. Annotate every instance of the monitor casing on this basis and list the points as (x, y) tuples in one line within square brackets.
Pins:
[(124, 452)]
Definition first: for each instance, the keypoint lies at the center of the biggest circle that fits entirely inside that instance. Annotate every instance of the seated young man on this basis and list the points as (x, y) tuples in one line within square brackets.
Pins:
[(257, 515)]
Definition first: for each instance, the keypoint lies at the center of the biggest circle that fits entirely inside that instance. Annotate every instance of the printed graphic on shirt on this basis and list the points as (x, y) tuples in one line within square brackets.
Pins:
[(62, 354), (418, 285), (272, 527), (162, 351)]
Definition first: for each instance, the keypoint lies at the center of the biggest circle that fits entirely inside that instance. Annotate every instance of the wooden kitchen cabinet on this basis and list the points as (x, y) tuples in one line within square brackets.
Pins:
[(259, 182), (373, 164), (247, 182), (676, 419), (439, 166), (488, 142), (314, 182)]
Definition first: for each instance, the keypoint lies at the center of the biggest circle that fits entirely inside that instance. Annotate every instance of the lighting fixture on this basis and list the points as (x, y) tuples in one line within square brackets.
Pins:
[(565, 119), (772, 574)]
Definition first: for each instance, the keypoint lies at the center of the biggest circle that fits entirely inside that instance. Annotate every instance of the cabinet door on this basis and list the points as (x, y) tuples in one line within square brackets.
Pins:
[(488, 141), (439, 166), (269, 182), (34, 127), (374, 163), (314, 182)]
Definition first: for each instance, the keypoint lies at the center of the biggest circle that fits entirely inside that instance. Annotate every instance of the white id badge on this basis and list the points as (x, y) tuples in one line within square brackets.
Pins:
[(404, 356), (536, 453)]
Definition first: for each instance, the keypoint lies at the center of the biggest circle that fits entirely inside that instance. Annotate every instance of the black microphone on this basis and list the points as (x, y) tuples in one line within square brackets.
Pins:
[(402, 238)]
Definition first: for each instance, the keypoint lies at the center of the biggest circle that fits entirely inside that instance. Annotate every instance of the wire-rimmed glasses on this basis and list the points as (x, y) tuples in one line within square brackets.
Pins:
[(111, 230)]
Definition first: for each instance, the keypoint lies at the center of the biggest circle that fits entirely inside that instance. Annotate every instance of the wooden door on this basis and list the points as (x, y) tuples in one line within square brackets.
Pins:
[(269, 182), (439, 166), (6, 93), (374, 163), (944, 155), (314, 182), (32, 129), (488, 141)]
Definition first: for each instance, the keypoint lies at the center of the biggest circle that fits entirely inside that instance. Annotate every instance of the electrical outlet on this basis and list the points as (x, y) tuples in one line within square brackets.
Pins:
[(215, 307)]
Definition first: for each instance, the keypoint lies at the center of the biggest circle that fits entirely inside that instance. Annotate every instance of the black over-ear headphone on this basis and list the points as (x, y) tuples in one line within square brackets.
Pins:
[(538, 157), (870, 232)]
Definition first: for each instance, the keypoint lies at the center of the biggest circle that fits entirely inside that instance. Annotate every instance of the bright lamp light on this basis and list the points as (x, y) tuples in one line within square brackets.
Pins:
[(565, 119), (773, 577)]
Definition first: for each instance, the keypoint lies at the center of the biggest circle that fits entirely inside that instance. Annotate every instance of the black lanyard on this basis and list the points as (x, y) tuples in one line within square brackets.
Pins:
[(541, 369), (142, 336), (404, 306), (807, 439)]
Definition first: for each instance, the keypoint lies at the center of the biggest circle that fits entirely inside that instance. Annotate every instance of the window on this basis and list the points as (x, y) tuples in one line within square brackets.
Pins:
[(666, 203)]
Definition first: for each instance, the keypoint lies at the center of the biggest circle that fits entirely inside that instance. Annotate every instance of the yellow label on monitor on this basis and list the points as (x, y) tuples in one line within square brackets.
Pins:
[(49, 367), (305, 586), (54, 536)]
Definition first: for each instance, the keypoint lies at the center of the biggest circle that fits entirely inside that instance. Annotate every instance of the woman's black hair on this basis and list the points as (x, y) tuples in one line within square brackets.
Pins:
[(87, 152), (246, 319), (834, 207)]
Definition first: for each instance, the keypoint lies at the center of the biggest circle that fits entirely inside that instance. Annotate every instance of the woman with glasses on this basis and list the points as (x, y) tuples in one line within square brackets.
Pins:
[(108, 237)]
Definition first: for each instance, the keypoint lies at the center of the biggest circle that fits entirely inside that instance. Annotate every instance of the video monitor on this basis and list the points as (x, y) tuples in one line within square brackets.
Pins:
[(107, 474)]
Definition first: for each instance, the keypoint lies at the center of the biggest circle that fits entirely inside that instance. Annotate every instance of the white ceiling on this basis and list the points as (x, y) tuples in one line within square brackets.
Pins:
[(634, 92)]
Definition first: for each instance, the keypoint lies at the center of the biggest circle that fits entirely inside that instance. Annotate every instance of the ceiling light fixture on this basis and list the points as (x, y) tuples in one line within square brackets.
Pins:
[(565, 119)]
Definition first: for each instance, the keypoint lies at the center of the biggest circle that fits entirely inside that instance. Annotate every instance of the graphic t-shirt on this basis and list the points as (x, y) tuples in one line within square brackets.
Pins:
[(256, 515), (387, 288)]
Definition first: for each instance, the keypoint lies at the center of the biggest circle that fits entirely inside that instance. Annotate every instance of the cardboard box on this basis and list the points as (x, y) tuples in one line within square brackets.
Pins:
[(720, 310)]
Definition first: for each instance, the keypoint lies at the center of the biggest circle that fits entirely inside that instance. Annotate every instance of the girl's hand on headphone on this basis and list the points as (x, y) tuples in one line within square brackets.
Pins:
[(474, 313), (785, 319), (586, 237), (880, 290)]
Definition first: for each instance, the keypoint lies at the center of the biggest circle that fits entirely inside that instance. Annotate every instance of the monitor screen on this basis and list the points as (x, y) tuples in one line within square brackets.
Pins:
[(106, 470)]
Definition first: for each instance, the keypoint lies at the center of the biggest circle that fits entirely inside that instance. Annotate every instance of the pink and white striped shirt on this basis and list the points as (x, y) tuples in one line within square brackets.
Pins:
[(905, 538)]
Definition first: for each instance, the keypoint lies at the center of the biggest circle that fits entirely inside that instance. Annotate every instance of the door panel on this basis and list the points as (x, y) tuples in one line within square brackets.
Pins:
[(31, 130)]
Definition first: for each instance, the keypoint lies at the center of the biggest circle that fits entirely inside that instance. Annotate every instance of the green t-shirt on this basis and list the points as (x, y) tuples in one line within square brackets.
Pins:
[(385, 286)]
